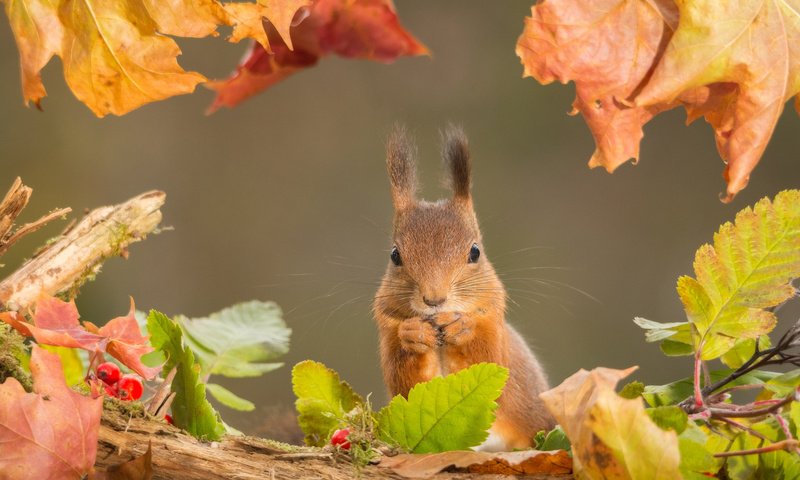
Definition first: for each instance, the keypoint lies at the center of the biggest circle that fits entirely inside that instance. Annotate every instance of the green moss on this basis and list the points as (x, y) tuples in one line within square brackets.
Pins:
[(12, 350)]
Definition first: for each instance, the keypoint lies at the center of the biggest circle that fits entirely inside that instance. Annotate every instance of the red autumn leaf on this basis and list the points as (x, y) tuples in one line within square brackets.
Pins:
[(51, 433), (55, 322), (367, 29), (527, 462)]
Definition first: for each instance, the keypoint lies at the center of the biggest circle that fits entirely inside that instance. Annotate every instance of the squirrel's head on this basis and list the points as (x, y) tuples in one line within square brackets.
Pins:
[(436, 262)]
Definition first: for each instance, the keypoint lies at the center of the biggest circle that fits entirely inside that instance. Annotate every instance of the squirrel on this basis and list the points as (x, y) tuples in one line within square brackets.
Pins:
[(441, 307)]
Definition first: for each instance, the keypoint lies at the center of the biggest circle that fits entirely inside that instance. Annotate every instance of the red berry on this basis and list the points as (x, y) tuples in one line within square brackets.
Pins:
[(130, 387), (339, 439), (168, 418), (108, 372), (111, 390)]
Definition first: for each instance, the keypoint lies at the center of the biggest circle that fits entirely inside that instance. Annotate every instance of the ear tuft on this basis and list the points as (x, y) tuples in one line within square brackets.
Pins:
[(401, 165), (455, 153)]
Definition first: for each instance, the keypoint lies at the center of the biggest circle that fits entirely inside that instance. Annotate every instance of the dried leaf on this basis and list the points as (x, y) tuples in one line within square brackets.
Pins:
[(139, 468), (527, 462), (366, 29), (246, 20), (607, 48), (51, 433), (612, 437), (733, 63), (752, 44), (55, 322)]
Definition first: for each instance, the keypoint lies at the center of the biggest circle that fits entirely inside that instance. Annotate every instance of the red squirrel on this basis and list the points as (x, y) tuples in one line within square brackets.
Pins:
[(440, 306)]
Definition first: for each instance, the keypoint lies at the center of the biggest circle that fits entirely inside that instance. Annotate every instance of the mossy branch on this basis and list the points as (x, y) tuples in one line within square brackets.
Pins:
[(75, 256)]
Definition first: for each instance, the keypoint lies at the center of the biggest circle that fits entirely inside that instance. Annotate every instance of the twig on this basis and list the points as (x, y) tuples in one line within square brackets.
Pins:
[(15, 200), (782, 445), (747, 429), (748, 413)]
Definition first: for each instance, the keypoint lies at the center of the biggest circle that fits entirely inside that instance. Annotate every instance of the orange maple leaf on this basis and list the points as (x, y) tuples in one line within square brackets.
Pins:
[(51, 433), (752, 44), (55, 322), (733, 63)]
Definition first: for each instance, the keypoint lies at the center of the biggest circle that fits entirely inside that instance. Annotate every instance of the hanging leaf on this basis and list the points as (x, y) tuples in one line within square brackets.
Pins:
[(51, 433), (229, 399), (445, 413)]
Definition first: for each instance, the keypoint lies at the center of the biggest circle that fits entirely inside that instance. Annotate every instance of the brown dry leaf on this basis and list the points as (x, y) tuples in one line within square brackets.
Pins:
[(139, 468), (612, 437), (527, 462), (607, 47), (49, 434), (751, 44), (187, 18)]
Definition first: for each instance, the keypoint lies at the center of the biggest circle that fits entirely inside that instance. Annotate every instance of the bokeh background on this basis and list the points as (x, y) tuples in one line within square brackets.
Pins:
[(285, 197)]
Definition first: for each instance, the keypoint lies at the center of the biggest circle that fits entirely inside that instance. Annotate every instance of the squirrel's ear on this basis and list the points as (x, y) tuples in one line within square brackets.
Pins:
[(455, 152), (401, 164)]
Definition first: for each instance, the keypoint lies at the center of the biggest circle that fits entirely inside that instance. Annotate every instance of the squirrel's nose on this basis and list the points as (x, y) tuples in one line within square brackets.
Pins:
[(433, 302)]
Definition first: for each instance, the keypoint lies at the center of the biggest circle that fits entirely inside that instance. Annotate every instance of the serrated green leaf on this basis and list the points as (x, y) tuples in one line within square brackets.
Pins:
[(555, 439), (445, 413), (322, 400), (229, 399), (749, 268), (744, 349), (632, 390), (236, 341), (675, 392), (669, 418), (672, 348), (71, 363), (784, 384), (697, 462), (190, 408)]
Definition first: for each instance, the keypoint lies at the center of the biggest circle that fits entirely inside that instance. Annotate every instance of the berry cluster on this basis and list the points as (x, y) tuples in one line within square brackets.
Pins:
[(124, 387)]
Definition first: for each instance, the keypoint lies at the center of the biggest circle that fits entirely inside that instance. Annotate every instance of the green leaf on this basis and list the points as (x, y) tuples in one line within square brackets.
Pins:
[(743, 350), (784, 384), (675, 338), (778, 464), (446, 413), (697, 462), (236, 341), (669, 418), (555, 439), (190, 408), (71, 363), (632, 390), (229, 399), (749, 269), (322, 400), (676, 392)]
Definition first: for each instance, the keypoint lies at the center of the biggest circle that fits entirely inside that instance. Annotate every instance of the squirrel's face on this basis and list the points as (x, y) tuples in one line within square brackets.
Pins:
[(436, 262)]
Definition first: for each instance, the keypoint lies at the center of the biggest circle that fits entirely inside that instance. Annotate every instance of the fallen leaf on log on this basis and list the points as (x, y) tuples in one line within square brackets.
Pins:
[(527, 462), (51, 433), (139, 468)]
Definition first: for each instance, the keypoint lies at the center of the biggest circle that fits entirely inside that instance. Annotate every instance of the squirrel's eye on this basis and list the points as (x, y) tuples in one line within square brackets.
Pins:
[(395, 256), (474, 253)]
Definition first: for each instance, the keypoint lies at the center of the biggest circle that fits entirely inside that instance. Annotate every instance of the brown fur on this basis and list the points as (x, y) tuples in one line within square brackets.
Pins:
[(419, 342)]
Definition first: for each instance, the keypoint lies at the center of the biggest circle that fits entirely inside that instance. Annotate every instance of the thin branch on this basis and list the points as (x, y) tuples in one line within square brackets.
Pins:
[(743, 412), (782, 445), (15, 200)]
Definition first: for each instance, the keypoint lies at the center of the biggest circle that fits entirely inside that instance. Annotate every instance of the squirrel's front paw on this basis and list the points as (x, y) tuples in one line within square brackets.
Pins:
[(417, 335), (455, 328)]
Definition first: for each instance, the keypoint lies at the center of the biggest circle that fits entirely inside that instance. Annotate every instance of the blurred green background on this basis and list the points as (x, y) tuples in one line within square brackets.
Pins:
[(285, 197)]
